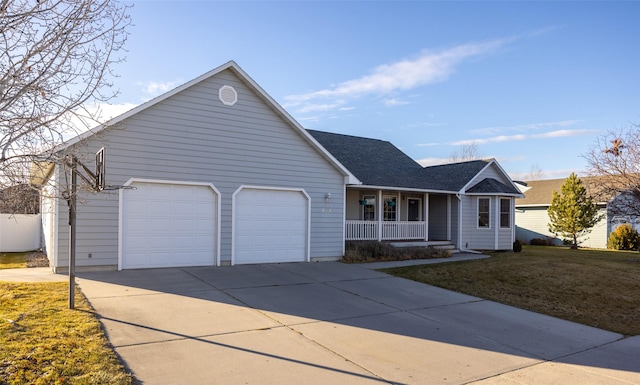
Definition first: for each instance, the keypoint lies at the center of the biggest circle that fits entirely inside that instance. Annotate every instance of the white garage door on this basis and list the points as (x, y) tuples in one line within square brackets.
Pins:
[(270, 226), (167, 225)]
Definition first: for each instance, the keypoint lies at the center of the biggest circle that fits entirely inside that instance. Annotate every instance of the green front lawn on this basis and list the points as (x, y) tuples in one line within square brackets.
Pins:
[(600, 288)]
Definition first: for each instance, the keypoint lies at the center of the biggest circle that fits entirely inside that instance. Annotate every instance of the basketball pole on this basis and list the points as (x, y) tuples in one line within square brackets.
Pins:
[(72, 231), (96, 183)]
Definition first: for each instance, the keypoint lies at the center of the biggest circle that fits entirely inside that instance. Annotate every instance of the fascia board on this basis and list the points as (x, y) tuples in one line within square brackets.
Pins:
[(389, 188)]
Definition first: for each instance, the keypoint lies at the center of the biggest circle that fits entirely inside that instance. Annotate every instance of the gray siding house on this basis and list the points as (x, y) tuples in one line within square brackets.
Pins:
[(215, 173), (532, 218), (468, 204)]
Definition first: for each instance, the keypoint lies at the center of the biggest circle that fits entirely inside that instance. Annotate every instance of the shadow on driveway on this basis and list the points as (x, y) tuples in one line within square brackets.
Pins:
[(321, 323)]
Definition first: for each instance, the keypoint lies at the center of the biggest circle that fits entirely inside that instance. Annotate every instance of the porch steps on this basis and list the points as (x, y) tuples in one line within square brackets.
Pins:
[(445, 245)]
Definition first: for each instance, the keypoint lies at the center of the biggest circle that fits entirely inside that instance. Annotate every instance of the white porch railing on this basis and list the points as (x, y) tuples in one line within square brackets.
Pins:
[(368, 230)]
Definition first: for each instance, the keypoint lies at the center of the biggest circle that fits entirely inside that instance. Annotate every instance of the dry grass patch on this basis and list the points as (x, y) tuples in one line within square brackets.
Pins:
[(13, 260), (598, 288), (45, 342)]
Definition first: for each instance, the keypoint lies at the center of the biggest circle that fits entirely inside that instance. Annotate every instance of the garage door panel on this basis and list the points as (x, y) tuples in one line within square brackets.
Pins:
[(270, 226), (167, 225)]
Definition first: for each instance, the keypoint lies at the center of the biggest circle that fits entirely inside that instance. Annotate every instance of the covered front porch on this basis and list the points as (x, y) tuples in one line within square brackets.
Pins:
[(385, 215)]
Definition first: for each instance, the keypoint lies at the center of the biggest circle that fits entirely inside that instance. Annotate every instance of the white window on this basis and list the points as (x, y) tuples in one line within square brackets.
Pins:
[(484, 212), (390, 207), (368, 204), (505, 212)]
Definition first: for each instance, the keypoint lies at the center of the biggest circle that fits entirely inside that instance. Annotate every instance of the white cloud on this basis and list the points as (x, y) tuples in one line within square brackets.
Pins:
[(424, 162), (92, 115), (564, 133), (518, 137), (495, 139), (525, 127), (156, 88), (428, 68), (395, 102), (313, 107)]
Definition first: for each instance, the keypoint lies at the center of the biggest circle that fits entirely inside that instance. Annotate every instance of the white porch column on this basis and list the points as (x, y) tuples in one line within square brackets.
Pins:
[(425, 209), (380, 215)]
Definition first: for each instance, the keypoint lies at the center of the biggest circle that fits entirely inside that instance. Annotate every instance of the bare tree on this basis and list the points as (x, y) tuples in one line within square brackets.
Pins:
[(466, 152), (535, 173), (615, 160), (56, 59)]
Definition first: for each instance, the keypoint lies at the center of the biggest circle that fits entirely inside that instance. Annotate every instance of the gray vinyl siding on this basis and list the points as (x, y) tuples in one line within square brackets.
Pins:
[(505, 235), (474, 237), (492, 172), (532, 222), (492, 238), (353, 208), (193, 137)]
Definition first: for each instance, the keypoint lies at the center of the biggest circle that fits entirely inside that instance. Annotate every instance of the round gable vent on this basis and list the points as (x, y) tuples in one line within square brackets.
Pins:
[(228, 95)]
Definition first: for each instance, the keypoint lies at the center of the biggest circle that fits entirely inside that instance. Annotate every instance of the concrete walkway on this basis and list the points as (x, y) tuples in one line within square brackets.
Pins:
[(332, 323)]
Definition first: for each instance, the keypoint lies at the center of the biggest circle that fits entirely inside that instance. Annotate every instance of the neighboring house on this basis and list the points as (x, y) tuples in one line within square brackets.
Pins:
[(532, 218), (215, 172), (469, 204)]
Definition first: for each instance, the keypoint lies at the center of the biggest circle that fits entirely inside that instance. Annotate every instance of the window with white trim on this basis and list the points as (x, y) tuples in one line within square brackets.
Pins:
[(505, 212), (389, 208), (484, 213), (368, 208)]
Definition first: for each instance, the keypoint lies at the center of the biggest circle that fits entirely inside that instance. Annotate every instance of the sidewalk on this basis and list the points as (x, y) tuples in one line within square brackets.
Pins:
[(413, 262), (31, 274)]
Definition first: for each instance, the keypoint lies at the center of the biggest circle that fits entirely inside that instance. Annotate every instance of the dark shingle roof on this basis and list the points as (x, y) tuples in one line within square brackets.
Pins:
[(492, 186), (374, 162), (453, 176), (540, 192), (379, 163)]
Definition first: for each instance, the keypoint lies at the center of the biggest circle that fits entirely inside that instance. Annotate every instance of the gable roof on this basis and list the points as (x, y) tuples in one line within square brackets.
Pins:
[(374, 162), (379, 163), (491, 186), (540, 192), (251, 84)]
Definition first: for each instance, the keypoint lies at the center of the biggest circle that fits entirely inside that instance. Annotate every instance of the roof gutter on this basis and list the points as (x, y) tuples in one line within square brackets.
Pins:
[(372, 187)]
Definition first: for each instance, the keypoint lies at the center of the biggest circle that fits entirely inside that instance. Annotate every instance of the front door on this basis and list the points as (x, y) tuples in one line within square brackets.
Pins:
[(413, 210)]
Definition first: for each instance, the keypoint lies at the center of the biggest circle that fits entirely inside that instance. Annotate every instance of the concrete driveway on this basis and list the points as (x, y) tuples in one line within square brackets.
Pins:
[(332, 323)]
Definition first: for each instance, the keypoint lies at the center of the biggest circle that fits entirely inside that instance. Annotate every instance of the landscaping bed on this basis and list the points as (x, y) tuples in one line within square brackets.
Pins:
[(374, 251)]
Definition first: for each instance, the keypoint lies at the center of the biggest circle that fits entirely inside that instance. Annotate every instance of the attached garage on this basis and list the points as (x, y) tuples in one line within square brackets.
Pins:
[(168, 224), (270, 225)]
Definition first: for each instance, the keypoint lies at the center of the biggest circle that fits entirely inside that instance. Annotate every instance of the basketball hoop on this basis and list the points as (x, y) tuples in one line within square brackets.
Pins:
[(100, 170)]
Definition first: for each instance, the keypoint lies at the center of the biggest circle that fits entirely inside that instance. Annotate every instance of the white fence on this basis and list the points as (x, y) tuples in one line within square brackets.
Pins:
[(391, 230), (19, 232)]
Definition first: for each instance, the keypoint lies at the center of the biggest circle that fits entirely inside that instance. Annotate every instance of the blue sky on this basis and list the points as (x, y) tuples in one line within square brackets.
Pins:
[(532, 84)]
